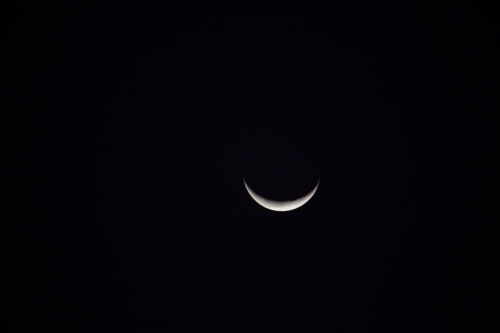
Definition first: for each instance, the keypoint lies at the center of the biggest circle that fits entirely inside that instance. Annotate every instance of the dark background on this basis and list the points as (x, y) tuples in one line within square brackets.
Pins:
[(142, 120)]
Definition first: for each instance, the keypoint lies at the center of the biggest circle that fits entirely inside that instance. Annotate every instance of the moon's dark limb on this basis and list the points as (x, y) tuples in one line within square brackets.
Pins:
[(280, 173)]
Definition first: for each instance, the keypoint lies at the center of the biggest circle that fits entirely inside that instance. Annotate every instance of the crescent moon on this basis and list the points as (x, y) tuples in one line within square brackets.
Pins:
[(280, 206)]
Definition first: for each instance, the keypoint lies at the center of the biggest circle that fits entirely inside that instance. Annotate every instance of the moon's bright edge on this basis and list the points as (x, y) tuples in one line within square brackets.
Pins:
[(280, 206)]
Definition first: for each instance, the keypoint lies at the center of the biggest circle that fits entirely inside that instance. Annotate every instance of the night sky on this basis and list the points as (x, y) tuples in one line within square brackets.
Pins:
[(144, 119)]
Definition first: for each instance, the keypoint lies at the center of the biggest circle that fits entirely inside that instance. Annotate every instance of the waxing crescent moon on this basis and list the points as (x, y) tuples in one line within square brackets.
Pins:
[(280, 206)]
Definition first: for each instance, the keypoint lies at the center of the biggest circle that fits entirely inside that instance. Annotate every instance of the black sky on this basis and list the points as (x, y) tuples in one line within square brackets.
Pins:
[(143, 120)]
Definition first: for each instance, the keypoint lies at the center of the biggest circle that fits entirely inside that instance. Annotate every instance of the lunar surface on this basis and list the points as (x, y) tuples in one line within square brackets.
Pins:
[(280, 206)]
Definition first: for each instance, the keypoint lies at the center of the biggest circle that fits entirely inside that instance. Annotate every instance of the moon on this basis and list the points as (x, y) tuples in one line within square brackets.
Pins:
[(280, 206)]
